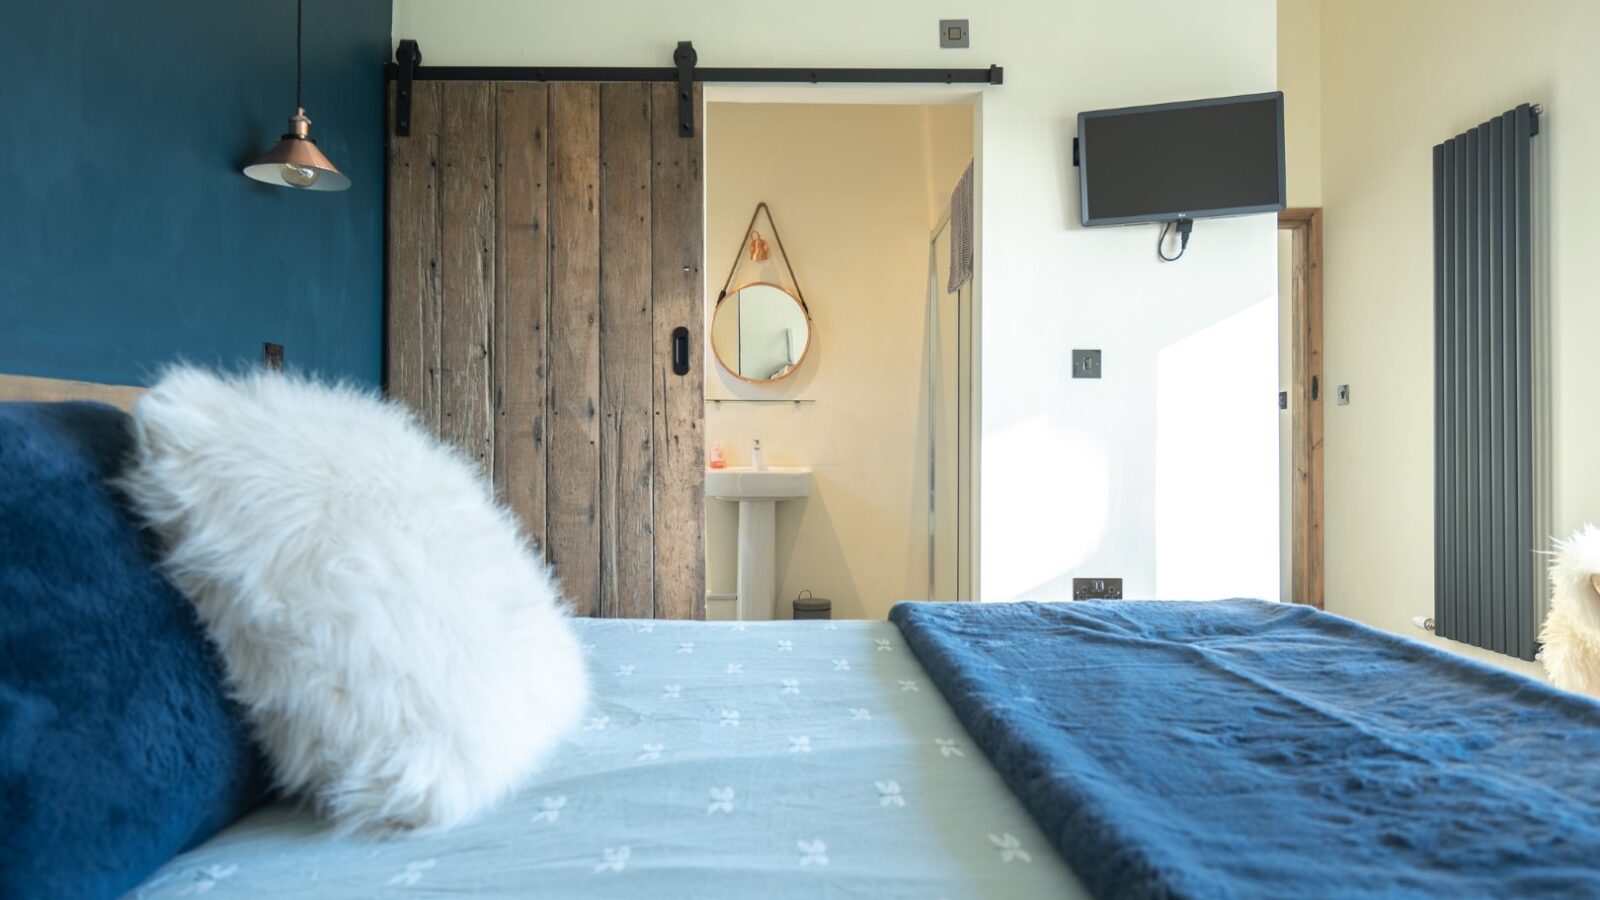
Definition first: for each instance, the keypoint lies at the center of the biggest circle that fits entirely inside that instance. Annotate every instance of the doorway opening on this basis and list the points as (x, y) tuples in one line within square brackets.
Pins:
[(858, 182), (1300, 403)]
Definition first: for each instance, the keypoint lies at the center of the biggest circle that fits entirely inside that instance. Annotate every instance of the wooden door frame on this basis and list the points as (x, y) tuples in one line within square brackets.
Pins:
[(1306, 392)]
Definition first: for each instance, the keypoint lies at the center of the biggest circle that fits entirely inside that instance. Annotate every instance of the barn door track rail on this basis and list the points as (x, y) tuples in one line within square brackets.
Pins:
[(408, 68)]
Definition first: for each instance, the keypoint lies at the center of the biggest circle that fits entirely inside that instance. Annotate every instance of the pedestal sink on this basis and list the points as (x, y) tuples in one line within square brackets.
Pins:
[(758, 493)]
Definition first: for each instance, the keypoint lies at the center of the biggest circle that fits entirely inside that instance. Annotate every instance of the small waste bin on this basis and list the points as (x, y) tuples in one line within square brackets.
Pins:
[(809, 607)]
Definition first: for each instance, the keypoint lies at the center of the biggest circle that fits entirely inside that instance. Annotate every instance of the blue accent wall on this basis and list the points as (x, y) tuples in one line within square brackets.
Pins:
[(128, 236)]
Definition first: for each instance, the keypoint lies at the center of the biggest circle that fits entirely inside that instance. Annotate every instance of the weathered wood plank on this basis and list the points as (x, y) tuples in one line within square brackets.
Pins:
[(467, 215), (678, 290), (573, 483), (413, 306), (521, 302), (626, 464)]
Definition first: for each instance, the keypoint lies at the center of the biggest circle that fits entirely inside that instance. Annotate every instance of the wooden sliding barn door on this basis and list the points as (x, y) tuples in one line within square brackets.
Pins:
[(544, 245)]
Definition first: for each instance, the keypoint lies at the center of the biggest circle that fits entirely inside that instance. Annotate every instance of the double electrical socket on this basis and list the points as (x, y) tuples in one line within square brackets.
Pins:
[(1097, 588)]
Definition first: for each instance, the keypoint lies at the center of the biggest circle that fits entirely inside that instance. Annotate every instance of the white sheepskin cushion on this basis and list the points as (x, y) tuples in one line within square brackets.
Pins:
[(1571, 633), (403, 657)]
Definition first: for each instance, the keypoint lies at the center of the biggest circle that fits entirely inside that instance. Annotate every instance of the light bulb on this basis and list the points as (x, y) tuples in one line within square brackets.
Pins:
[(299, 176)]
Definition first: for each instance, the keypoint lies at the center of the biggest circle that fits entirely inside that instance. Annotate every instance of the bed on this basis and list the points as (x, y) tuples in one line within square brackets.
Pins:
[(1151, 749), (1235, 748), (773, 759)]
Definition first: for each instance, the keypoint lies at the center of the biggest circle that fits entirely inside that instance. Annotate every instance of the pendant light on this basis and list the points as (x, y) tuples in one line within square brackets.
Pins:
[(295, 160)]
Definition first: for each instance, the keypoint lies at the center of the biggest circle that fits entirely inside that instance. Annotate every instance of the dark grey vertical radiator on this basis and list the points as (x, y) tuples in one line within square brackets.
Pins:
[(1487, 572)]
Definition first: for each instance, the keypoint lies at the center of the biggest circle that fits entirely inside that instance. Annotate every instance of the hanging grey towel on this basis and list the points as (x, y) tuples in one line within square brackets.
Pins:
[(961, 232)]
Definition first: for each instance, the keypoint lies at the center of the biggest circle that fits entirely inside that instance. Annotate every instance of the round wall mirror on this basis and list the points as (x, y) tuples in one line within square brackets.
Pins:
[(760, 332)]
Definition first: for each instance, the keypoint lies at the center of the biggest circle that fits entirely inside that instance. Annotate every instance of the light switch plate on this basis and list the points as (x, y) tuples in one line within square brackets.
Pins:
[(1086, 364), (1344, 395), (953, 33)]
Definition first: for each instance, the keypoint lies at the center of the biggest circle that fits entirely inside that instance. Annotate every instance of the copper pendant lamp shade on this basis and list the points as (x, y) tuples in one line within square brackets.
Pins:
[(295, 161)]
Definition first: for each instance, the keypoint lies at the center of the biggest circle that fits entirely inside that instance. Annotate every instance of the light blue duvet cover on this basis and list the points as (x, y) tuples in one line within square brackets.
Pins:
[(760, 760)]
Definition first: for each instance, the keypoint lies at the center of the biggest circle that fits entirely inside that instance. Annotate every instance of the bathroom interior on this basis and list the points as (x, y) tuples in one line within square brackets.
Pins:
[(840, 345)]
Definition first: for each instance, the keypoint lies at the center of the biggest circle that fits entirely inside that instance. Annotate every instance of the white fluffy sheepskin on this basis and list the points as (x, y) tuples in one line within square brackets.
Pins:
[(403, 657), (1571, 633)]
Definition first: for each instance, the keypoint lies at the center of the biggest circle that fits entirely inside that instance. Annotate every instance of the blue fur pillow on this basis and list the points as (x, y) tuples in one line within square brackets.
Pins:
[(118, 745)]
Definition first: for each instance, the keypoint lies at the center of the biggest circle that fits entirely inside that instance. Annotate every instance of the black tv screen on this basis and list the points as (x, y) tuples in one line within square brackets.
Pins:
[(1219, 157)]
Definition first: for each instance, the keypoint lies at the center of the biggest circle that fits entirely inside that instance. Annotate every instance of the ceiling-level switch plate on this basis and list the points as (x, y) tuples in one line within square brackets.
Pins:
[(953, 33)]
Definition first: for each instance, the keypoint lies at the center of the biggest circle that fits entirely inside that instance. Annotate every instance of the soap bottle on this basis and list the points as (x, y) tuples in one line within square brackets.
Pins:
[(718, 460), (756, 461)]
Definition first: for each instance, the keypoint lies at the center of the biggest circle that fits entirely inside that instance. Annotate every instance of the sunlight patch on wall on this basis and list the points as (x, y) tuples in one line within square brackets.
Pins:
[(1217, 459)]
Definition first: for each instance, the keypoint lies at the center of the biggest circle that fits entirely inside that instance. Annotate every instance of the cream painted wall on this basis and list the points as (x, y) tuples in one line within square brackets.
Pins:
[(1067, 467), (1300, 79), (1398, 78), (852, 189)]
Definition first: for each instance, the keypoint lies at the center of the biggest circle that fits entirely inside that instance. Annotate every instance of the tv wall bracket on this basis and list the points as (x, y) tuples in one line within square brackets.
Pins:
[(407, 69)]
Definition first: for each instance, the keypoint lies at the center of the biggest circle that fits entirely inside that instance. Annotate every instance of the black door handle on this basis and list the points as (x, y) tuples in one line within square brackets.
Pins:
[(680, 350), (1313, 387)]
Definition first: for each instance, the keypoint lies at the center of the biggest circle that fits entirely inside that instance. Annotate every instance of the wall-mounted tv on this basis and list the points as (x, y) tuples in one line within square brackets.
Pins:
[(1171, 161)]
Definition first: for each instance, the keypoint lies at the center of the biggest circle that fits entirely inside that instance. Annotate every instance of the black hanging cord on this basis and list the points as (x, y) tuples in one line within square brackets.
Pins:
[(299, 13), (1185, 226), (777, 239)]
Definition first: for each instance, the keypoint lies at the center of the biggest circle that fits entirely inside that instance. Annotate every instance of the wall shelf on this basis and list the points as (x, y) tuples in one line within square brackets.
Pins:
[(721, 400)]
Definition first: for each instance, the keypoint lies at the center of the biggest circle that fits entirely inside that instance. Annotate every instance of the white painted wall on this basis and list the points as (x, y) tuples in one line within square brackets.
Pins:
[(1396, 79), (1068, 467), (1217, 459)]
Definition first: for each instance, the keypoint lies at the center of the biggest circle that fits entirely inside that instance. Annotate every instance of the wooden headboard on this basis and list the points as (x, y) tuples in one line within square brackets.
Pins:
[(25, 387)]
